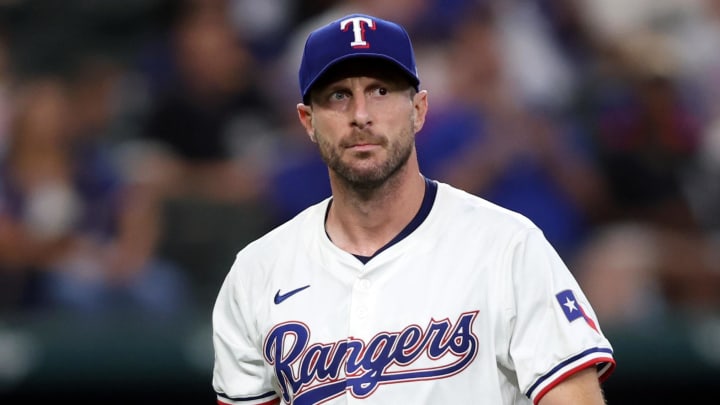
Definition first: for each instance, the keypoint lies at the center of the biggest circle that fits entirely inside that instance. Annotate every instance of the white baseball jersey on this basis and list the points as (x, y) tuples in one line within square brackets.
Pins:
[(469, 304)]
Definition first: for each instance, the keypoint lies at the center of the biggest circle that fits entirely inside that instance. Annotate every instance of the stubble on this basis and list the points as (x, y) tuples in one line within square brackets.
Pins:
[(362, 177)]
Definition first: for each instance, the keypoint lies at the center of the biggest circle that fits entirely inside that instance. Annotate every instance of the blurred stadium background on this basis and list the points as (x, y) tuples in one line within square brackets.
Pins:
[(144, 142)]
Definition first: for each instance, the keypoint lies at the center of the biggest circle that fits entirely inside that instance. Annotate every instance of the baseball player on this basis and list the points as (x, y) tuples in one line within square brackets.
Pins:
[(397, 289)]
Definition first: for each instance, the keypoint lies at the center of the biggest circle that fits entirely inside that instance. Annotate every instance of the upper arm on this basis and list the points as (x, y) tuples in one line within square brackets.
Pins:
[(580, 388), (554, 332), (240, 374)]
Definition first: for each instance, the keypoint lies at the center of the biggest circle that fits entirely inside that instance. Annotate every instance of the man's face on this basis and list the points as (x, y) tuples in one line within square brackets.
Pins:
[(364, 125)]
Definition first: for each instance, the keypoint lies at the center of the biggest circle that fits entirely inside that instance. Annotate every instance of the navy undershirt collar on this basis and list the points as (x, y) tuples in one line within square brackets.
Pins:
[(423, 212)]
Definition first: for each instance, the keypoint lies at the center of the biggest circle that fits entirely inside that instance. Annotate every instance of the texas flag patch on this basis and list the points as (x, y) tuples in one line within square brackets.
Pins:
[(572, 308)]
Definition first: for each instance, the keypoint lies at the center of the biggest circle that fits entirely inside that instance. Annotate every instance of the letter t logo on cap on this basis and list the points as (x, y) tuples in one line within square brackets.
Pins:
[(358, 30)]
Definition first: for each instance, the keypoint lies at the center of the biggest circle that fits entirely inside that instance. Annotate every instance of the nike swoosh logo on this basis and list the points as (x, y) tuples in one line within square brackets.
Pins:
[(282, 297)]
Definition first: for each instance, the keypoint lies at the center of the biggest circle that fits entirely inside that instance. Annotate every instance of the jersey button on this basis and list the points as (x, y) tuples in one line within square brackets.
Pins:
[(362, 312), (365, 284)]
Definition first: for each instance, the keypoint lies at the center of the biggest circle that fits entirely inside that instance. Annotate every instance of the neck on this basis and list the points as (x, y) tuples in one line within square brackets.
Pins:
[(361, 221)]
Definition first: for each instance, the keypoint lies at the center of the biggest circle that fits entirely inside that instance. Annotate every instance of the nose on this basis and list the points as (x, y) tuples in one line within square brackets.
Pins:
[(361, 115)]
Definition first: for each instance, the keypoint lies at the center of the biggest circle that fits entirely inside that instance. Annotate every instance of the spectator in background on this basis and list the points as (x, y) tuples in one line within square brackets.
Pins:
[(73, 235), (206, 143), (645, 134), (649, 255), (695, 39), (488, 140), (208, 122), (265, 24)]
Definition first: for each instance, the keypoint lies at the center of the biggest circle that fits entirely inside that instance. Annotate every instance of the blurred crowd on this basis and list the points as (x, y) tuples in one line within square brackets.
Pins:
[(140, 151)]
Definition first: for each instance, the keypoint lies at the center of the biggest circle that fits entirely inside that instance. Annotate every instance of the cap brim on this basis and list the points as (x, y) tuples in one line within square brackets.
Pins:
[(411, 76)]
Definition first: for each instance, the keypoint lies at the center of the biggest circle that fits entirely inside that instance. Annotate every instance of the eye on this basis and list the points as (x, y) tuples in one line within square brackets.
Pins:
[(381, 91), (338, 95)]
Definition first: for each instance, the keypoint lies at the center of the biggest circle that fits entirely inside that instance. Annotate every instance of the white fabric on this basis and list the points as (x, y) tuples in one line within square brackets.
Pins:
[(465, 306)]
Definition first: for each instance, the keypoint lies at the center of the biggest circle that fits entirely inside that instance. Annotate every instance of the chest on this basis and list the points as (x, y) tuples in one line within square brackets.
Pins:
[(335, 300), (415, 316)]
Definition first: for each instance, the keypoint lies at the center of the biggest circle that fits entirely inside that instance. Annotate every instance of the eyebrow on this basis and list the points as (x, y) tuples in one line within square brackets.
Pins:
[(389, 82)]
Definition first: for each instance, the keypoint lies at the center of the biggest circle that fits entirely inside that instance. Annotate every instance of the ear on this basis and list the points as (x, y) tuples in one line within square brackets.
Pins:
[(420, 104), (305, 115)]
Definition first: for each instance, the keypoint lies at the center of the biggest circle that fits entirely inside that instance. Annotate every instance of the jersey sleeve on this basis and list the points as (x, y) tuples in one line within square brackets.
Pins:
[(239, 373), (554, 332)]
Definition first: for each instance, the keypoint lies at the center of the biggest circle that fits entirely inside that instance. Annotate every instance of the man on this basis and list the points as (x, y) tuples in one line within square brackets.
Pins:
[(398, 289)]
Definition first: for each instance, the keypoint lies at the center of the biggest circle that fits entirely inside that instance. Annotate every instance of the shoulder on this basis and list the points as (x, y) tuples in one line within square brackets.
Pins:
[(459, 207), (258, 263), (280, 241), (477, 225)]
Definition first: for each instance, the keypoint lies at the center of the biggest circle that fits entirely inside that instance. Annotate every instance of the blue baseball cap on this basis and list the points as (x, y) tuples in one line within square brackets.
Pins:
[(355, 36)]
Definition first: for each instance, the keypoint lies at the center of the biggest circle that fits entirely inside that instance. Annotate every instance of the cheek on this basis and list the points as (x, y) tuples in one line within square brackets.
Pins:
[(325, 146), (396, 111), (329, 127), (401, 119)]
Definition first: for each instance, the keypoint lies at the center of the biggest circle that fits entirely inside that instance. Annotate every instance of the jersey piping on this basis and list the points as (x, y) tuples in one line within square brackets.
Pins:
[(261, 396), (604, 367)]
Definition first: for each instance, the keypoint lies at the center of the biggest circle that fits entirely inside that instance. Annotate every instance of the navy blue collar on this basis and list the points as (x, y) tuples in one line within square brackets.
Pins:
[(423, 212)]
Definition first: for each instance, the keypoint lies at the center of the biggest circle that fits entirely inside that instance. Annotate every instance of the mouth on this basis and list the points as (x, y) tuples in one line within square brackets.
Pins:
[(363, 146), (364, 143)]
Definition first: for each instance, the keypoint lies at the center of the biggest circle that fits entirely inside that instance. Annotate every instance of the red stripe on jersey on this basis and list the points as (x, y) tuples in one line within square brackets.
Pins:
[(588, 319), (574, 370)]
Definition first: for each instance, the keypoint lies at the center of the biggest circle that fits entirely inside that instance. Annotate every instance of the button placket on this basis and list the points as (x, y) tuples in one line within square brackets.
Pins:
[(361, 308)]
